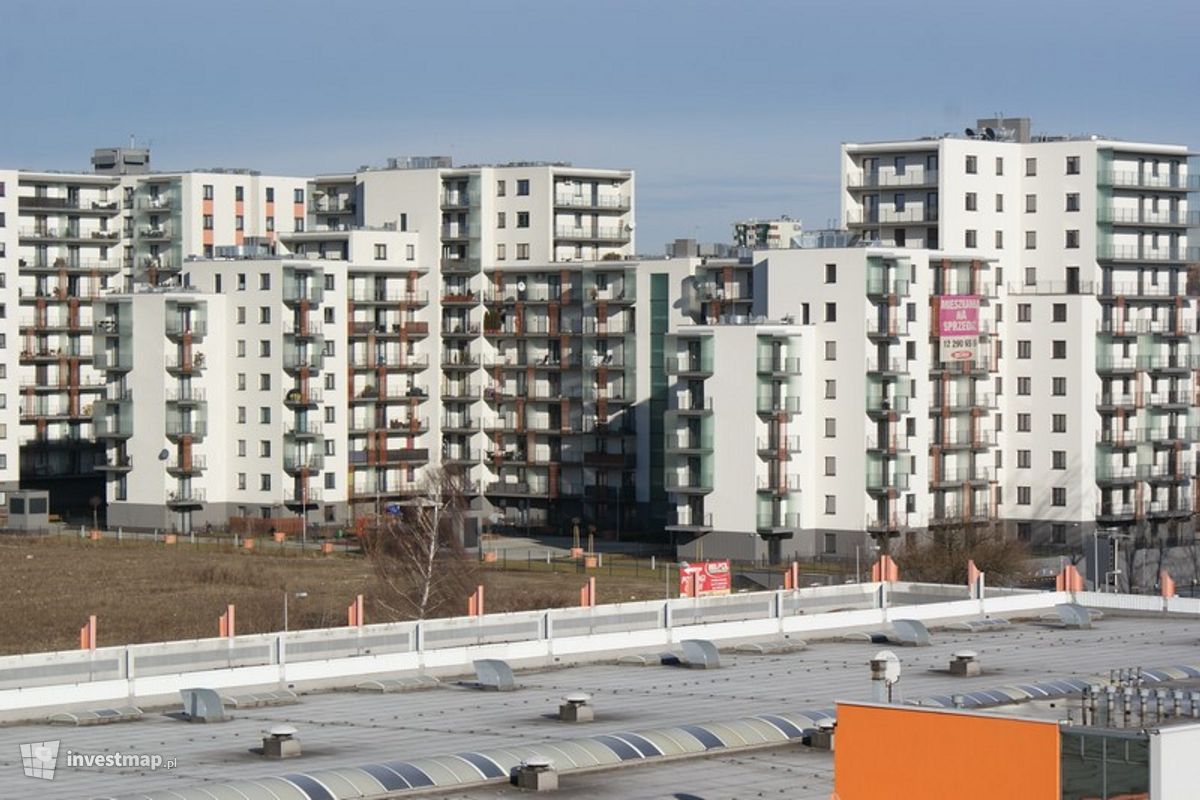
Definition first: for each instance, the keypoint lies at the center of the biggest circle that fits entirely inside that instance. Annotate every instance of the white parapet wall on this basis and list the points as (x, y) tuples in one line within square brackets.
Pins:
[(33, 684)]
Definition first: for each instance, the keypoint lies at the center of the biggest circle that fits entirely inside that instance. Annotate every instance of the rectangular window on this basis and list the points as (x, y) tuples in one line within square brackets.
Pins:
[(264, 482), (298, 196), (381, 252), (1000, 202), (241, 282), (264, 448), (1059, 312), (270, 224), (999, 240), (264, 415), (501, 219), (830, 389), (264, 315), (208, 191), (241, 479), (1073, 201), (1030, 240), (969, 239), (1030, 167), (1024, 423), (330, 414), (239, 193), (831, 465), (972, 201), (330, 480), (830, 427), (830, 543), (270, 194), (1059, 423), (264, 281), (239, 223), (208, 222), (1024, 312), (522, 187), (264, 348), (1024, 531), (241, 448), (831, 273), (1058, 496), (1058, 348), (1024, 459), (831, 351), (522, 219), (241, 348), (1030, 203), (522, 252), (1024, 385), (501, 189), (264, 382), (1072, 240), (830, 504), (410, 252), (1059, 459), (241, 315), (999, 165), (1072, 165), (241, 381), (972, 165), (241, 415), (1024, 348), (831, 312), (298, 224), (1058, 386), (501, 251), (1024, 493)]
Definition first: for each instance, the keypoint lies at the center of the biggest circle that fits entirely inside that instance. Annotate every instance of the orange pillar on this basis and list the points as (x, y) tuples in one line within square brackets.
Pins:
[(1166, 583), (87, 634)]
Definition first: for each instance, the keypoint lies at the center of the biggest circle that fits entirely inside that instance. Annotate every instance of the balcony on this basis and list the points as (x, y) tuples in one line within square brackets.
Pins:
[(185, 397), (1107, 437), (460, 298), (117, 463), (455, 423), (332, 204), (66, 205), (460, 455), (302, 429), (181, 364), (892, 327), (112, 360), (1113, 401), (879, 482), (1144, 218), (1180, 472), (689, 521), (458, 199), (1170, 397), (1115, 365), (689, 483), (912, 178), (303, 462), (887, 367), (620, 235), (1115, 512), (74, 266), (881, 286), (1180, 363), (156, 233), (890, 445), (157, 202), (1132, 179), (181, 468), (694, 444), (389, 297), (110, 427), (1172, 508), (297, 360), (179, 328), (909, 215), (1109, 475), (776, 522), (456, 265), (880, 406), (961, 403), (884, 523), (779, 366), (1140, 290), (303, 497), (303, 329), (69, 235), (772, 406), (395, 362), (778, 448), (177, 430), (974, 513), (687, 405), (302, 397), (965, 440), (297, 292), (957, 476), (591, 202), (1134, 254), (186, 498), (459, 360)]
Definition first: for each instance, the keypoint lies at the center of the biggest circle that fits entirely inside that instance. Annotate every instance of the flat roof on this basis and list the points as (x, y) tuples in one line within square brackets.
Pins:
[(346, 729)]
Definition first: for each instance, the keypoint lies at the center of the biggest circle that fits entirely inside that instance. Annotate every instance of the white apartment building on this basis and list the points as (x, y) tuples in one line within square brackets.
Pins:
[(1089, 235), (10, 316), (769, 234)]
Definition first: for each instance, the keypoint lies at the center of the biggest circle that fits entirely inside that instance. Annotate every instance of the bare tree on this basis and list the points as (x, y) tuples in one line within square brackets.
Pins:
[(417, 555), (943, 556)]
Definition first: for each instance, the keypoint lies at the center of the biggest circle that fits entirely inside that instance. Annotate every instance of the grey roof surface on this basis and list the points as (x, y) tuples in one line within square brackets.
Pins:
[(343, 729)]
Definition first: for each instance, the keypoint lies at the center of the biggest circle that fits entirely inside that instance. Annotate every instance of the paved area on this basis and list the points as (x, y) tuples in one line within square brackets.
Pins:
[(346, 729)]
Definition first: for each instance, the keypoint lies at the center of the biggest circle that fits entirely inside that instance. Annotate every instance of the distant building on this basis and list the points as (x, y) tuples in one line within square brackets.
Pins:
[(766, 234)]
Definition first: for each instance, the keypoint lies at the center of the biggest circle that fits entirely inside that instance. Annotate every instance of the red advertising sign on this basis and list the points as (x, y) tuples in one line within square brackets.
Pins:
[(958, 327), (701, 578)]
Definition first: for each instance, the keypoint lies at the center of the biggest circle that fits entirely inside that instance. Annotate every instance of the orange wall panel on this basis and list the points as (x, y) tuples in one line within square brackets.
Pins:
[(905, 753)]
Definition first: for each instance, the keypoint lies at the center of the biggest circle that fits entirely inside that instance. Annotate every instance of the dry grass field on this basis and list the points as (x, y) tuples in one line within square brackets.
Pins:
[(142, 591)]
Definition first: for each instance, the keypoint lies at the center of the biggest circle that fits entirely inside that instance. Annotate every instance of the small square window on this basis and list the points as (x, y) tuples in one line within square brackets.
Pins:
[(1024, 495), (972, 165), (381, 252), (522, 187), (1073, 201), (1058, 386), (522, 219), (831, 350), (831, 312), (830, 543), (1059, 423), (1030, 167), (831, 273), (1024, 312), (1024, 459), (831, 466), (1072, 165), (1058, 348), (1059, 312), (830, 427), (1059, 458), (1030, 203), (970, 238), (830, 389), (1058, 496)]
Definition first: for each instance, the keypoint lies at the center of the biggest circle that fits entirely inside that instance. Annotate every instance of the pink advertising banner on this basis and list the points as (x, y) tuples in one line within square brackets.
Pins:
[(958, 327)]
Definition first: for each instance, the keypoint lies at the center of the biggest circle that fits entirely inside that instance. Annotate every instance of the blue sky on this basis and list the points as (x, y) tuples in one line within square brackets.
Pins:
[(726, 109)]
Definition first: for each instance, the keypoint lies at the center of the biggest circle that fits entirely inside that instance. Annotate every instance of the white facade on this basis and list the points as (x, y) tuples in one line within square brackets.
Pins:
[(770, 234)]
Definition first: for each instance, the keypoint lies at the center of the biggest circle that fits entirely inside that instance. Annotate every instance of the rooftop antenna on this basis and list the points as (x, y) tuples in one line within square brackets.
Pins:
[(131, 145)]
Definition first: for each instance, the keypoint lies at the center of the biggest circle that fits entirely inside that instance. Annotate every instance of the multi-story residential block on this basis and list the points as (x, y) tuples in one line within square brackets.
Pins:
[(768, 234), (10, 314), (1090, 236)]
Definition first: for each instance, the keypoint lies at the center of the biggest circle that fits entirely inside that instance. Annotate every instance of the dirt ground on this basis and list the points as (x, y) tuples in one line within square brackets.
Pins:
[(142, 591)]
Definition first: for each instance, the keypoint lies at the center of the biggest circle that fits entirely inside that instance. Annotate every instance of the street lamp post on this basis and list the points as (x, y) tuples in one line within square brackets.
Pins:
[(299, 596)]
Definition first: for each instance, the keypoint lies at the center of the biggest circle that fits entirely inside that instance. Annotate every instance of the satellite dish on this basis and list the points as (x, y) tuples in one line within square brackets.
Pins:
[(163, 455), (970, 132), (520, 286), (891, 670), (989, 134), (631, 225)]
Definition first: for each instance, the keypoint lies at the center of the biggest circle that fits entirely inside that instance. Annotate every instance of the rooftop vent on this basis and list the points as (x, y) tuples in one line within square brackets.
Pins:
[(700, 654), (911, 632), (966, 664), (202, 705), (494, 675), (281, 742), (536, 773), (577, 707)]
